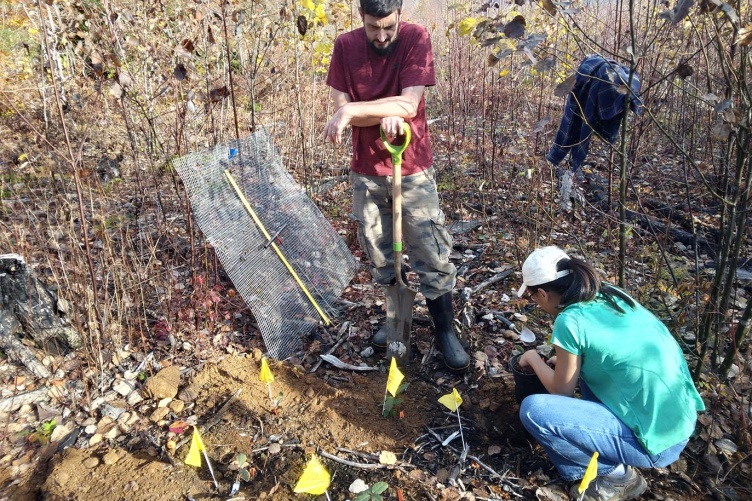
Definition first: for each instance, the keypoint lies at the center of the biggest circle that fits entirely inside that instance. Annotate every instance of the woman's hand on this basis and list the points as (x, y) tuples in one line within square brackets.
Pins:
[(560, 380), (529, 359)]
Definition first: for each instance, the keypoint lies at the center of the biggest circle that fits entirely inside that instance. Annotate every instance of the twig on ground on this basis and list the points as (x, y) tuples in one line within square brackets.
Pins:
[(343, 334), (364, 455), (216, 418), (496, 278), (363, 466), (486, 467)]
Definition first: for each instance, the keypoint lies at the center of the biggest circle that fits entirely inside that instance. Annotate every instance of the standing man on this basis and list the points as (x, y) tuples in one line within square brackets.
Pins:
[(377, 77)]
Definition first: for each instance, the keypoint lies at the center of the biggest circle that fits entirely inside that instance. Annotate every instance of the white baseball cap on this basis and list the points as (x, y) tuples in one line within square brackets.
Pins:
[(540, 267)]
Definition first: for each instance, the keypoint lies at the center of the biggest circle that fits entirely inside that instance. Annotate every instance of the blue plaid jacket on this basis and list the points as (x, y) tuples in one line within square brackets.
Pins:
[(594, 105)]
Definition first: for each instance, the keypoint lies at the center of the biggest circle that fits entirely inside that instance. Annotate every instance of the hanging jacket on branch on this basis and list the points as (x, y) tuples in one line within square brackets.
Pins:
[(595, 104)]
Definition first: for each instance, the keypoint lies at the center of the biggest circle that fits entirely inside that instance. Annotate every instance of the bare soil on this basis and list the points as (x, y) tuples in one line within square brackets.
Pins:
[(332, 411)]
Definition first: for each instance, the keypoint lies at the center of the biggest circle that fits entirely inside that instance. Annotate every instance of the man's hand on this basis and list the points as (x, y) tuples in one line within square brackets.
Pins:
[(336, 126), (392, 126)]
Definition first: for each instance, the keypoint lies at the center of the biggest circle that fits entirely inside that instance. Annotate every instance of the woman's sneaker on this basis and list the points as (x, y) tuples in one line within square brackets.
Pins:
[(629, 486)]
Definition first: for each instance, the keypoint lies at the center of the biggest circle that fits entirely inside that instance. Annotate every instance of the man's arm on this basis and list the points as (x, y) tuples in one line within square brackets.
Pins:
[(368, 113)]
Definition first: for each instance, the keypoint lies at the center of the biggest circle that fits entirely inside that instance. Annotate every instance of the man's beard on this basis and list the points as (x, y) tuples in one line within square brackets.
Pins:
[(383, 51)]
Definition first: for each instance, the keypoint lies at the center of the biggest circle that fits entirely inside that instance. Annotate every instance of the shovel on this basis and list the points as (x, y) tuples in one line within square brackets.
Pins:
[(400, 298), (526, 336)]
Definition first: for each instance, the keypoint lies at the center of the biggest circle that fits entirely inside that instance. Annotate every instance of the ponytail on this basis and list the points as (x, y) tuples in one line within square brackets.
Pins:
[(584, 284)]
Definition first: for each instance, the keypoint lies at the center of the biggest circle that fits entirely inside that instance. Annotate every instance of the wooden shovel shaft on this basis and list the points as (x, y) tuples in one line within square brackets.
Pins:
[(402, 297)]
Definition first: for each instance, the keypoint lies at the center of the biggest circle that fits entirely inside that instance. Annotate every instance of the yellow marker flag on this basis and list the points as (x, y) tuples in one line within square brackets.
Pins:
[(266, 375), (394, 379), (451, 400), (315, 479), (197, 445), (590, 473)]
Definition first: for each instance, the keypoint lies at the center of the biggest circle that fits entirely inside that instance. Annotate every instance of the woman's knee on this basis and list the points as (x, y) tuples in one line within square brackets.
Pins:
[(533, 409)]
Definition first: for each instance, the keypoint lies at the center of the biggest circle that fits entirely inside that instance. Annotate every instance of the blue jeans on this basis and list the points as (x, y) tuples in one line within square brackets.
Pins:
[(571, 429)]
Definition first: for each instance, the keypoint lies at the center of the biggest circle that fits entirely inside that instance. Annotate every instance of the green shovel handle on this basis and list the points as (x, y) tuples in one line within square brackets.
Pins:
[(397, 150)]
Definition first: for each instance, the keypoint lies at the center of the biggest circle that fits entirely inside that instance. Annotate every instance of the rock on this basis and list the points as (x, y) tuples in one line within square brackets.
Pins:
[(164, 384), (123, 386), (104, 422), (59, 433), (164, 402), (112, 456), (91, 462), (159, 414), (188, 394), (358, 486), (112, 433), (177, 406), (95, 439), (91, 429), (46, 413), (112, 411), (134, 398)]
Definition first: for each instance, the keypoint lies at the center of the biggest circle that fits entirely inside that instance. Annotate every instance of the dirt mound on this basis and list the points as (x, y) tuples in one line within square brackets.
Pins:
[(337, 414)]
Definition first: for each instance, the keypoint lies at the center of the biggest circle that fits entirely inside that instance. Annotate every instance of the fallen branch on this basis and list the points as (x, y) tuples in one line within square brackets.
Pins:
[(362, 466), (15, 402), (496, 278), (16, 350)]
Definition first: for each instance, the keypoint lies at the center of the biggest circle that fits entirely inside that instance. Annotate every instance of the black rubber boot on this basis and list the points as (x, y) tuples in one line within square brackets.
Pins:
[(379, 339), (442, 312)]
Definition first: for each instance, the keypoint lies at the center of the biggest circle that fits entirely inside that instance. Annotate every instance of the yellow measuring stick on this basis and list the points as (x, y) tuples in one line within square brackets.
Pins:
[(250, 210)]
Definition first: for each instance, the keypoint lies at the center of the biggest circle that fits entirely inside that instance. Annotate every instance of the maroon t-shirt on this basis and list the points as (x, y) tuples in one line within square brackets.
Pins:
[(365, 76)]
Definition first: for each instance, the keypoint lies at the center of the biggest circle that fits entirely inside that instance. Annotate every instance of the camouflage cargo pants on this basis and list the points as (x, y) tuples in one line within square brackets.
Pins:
[(427, 242)]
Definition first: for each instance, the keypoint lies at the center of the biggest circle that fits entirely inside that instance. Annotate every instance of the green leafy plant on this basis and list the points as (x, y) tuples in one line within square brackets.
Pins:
[(373, 493), (277, 403), (43, 432), (240, 464), (390, 402)]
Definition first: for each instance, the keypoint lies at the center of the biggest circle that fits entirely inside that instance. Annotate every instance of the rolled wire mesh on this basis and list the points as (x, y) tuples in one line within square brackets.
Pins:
[(312, 247)]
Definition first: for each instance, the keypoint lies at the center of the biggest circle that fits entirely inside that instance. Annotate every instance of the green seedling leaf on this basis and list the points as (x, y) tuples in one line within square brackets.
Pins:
[(245, 475), (379, 487)]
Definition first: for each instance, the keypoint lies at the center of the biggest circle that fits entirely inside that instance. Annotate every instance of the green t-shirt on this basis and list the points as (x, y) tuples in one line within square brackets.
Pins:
[(634, 366)]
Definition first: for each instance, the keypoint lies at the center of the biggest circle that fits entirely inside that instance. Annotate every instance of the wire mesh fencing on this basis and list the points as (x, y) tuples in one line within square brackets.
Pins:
[(283, 256)]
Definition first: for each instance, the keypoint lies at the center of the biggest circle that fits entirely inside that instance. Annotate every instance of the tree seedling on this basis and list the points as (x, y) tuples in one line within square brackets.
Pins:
[(373, 493), (391, 402), (43, 432), (245, 472), (394, 387)]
